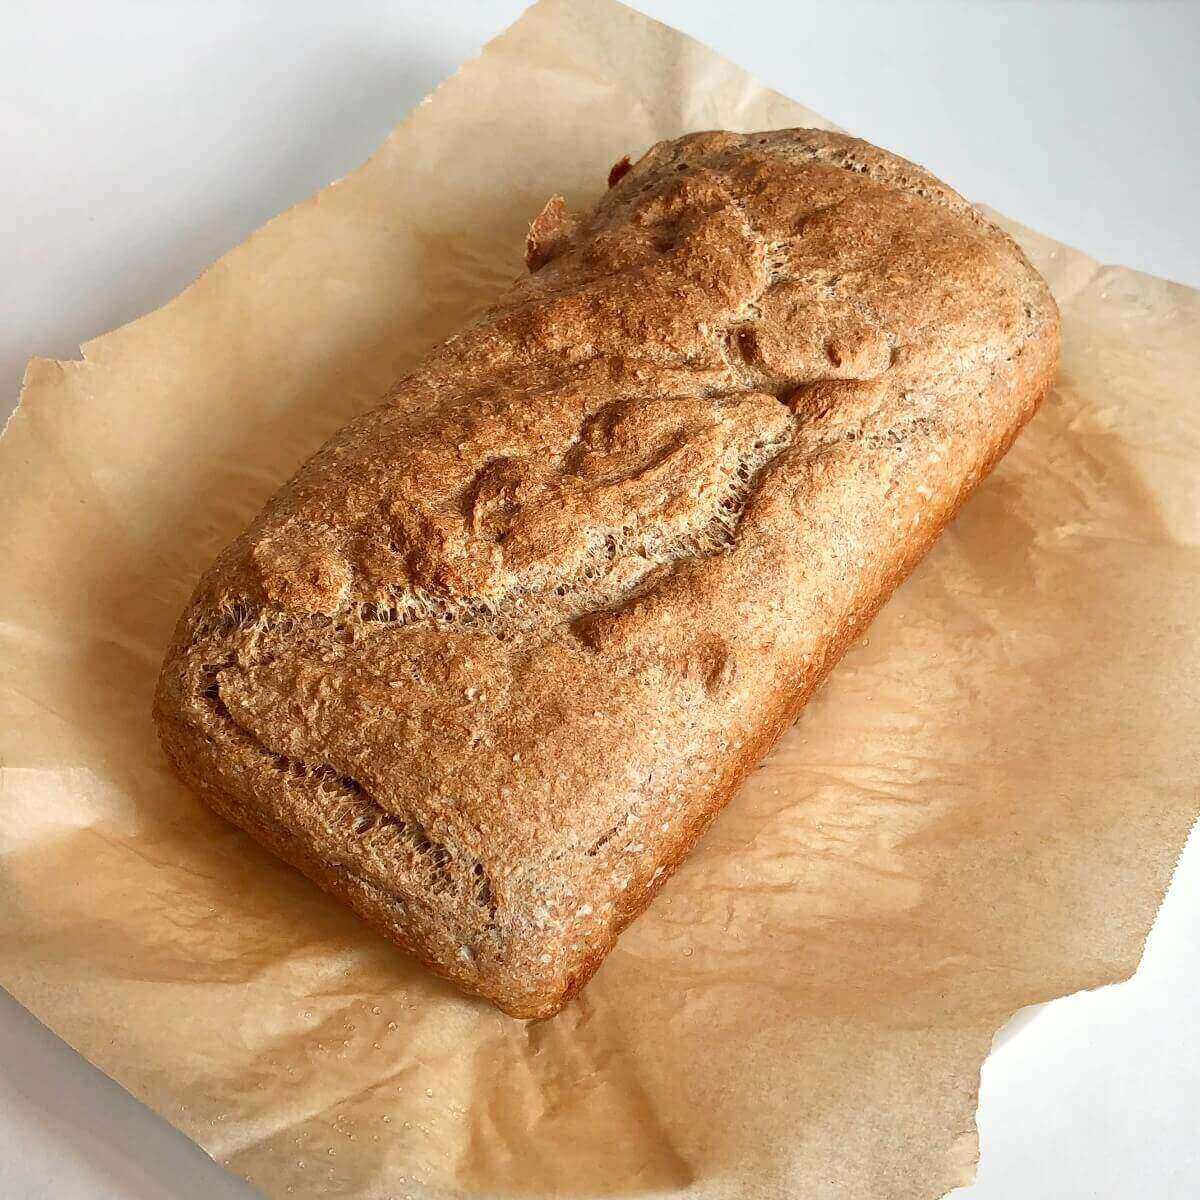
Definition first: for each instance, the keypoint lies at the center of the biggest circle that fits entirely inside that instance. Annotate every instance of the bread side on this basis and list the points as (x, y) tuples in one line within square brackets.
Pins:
[(488, 665)]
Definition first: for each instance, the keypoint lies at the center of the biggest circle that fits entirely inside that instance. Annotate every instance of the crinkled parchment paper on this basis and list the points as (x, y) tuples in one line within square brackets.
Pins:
[(981, 810)]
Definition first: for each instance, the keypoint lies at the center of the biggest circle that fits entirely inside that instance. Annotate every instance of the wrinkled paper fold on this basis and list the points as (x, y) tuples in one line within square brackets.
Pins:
[(981, 810)]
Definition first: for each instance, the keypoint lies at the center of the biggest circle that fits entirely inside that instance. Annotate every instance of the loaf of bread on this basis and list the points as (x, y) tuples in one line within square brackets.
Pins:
[(491, 662)]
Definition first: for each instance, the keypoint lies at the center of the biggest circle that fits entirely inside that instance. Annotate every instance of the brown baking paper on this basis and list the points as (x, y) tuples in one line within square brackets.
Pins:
[(980, 811)]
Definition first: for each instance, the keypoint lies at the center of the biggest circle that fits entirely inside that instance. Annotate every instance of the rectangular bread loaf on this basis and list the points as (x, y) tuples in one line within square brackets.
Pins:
[(490, 663)]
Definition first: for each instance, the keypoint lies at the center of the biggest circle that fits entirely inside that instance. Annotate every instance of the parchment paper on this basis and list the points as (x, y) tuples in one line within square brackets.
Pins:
[(980, 811)]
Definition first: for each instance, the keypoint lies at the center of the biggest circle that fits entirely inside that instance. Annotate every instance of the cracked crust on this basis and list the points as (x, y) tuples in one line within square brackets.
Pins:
[(491, 662)]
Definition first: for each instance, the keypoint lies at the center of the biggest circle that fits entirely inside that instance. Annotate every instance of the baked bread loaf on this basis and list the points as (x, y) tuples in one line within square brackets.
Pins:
[(490, 663)]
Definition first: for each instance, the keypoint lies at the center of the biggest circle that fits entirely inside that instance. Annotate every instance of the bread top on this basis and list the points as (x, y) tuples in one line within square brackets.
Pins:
[(504, 643)]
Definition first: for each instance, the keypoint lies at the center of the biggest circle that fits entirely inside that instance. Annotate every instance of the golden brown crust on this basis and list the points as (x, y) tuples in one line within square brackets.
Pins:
[(498, 654)]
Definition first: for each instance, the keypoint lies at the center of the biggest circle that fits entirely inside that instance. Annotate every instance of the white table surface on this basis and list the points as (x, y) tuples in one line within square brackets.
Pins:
[(142, 140)]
